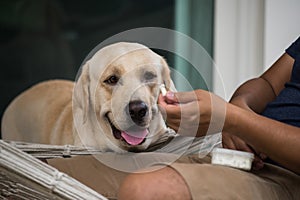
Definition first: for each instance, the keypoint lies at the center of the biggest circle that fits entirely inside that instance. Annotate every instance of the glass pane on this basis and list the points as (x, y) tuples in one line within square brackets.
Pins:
[(49, 39)]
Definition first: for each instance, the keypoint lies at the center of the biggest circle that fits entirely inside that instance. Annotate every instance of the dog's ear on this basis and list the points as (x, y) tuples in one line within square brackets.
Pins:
[(167, 76), (81, 95)]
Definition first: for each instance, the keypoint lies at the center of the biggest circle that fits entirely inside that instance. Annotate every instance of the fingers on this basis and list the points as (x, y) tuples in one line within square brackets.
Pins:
[(180, 97), (227, 141), (161, 101), (169, 98), (257, 163), (172, 109), (170, 104), (235, 143), (241, 145)]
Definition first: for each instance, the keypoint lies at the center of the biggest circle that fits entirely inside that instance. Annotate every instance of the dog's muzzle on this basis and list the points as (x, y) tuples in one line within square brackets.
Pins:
[(136, 134)]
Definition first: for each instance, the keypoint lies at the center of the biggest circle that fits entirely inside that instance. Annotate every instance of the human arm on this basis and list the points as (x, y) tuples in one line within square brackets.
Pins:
[(253, 95), (265, 88), (279, 141)]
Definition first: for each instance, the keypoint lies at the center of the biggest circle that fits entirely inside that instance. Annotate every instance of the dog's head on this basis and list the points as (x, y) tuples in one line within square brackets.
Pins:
[(116, 97)]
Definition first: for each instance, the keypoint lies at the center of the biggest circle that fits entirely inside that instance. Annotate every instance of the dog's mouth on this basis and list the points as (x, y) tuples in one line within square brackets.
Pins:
[(132, 136)]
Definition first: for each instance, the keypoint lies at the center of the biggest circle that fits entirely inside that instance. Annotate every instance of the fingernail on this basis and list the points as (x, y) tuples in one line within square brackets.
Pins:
[(170, 95)]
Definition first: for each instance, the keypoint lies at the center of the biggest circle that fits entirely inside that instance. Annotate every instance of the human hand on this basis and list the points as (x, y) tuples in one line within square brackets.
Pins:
[(230, 141), (198, 113), (194, 113)]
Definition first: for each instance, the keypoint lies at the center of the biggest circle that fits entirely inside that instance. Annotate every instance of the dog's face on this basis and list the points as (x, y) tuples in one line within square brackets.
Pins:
[(125, 100)]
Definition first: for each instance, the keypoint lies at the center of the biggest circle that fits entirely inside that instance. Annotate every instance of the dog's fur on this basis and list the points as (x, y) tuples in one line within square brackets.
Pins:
[(112, 104)]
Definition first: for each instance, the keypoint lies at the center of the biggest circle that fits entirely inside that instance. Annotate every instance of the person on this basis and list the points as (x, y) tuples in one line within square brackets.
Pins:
[(263, 117)]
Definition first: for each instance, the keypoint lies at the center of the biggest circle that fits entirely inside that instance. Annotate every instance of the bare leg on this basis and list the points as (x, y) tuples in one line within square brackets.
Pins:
[(164, 184)]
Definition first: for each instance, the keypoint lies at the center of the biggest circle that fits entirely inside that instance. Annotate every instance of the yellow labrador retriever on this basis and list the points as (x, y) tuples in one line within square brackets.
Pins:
[(112, 106)]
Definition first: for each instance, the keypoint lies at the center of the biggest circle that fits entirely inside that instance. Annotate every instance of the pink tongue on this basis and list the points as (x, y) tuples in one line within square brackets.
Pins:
[(134, 138)]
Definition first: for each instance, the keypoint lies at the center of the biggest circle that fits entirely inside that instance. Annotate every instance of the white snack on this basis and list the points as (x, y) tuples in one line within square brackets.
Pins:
[(232, 158), (163, 90)]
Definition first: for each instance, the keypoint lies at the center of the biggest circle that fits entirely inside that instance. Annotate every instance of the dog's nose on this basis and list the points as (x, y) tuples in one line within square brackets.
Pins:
[(138, 110)]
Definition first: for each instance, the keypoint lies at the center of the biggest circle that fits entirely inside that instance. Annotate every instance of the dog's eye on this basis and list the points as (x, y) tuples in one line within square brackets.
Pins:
[(149, 75), (112, 80)]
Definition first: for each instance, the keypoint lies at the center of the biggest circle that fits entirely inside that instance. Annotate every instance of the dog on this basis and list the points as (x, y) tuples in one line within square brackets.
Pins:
[(112, 106)]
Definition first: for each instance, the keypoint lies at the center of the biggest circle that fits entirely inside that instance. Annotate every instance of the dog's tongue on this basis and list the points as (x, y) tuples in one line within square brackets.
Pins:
[(134, 138)]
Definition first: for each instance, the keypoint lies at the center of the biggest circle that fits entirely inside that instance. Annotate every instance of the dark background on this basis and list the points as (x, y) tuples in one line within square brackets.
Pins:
[(49, 39)]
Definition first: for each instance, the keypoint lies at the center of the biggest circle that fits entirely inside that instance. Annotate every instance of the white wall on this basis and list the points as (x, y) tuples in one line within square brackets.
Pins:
[(282, 27), (249, 36), (238, 43)]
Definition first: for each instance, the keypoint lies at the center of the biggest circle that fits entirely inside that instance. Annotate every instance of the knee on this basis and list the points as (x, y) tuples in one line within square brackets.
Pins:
[(133, 187), (164, 183)]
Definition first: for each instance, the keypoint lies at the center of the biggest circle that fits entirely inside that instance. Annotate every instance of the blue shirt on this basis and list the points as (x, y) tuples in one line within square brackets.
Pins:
[(286, 107)]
